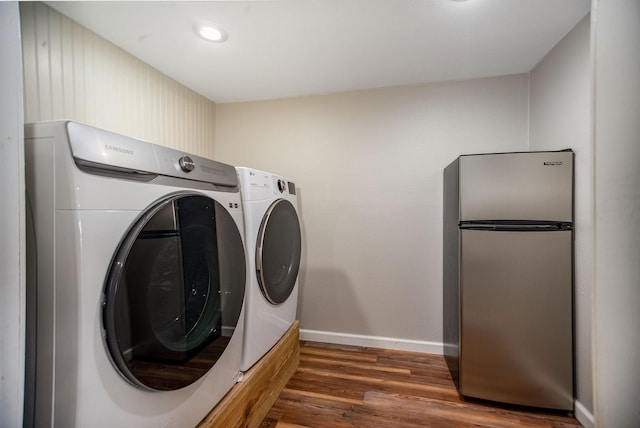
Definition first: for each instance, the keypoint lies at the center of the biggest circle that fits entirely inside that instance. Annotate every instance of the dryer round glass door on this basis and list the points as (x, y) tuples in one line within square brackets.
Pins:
[(278, 251), (174, 290)]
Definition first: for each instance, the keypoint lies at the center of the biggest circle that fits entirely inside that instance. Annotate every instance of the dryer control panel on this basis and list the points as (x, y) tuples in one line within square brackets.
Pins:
[(283, 186), (263, 185)]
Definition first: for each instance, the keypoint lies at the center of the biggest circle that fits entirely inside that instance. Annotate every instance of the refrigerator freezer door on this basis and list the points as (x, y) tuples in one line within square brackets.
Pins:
[(516, 317), (517, 186)]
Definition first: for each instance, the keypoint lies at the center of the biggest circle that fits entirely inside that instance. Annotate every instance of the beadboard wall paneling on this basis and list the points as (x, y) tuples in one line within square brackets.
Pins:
[(72, 73)]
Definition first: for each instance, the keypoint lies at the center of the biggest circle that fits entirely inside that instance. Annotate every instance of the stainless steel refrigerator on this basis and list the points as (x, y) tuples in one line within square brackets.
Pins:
[(508, 277)]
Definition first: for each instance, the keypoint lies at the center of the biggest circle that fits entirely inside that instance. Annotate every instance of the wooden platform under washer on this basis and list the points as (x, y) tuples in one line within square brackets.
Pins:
[(249, 401)]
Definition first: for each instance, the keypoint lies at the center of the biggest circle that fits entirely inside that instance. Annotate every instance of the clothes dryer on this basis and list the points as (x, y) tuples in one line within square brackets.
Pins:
[(136, 279), (274, 247)]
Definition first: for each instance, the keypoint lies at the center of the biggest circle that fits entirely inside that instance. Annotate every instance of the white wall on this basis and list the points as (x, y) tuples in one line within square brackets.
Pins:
[(12, 250), (72, 73), (616, 32), (369, 167), (560, 117)]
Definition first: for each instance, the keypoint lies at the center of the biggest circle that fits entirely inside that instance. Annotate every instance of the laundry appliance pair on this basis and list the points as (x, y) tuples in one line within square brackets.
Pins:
[(137, 274)]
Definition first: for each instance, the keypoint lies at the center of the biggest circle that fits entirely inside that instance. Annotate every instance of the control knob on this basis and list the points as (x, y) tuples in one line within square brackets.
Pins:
[(186, 164)]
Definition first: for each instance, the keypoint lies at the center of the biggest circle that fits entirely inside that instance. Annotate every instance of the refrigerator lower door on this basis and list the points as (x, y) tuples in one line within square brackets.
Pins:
[(516, 317)]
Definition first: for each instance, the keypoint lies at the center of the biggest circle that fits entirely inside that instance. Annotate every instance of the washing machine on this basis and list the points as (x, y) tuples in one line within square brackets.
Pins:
[(135, 280), (274, 246)]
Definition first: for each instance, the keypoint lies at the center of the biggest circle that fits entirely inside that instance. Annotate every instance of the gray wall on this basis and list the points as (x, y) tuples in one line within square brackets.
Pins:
[(369, 165), (12, 250), (617, 212), (560, 117)]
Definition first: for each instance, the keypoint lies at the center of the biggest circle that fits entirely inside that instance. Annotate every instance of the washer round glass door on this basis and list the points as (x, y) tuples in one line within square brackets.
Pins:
[(278, 251), (174, 290)]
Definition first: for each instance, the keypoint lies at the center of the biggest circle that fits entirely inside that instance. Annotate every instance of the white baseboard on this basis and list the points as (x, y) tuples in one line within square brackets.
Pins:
[(584, 416), (372, 341)]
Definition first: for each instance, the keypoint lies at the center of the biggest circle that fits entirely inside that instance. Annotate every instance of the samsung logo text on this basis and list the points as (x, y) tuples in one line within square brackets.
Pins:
[(118, 149)]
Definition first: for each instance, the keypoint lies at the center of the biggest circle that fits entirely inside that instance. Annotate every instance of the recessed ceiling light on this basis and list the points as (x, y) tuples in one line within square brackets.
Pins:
[(210, 32)]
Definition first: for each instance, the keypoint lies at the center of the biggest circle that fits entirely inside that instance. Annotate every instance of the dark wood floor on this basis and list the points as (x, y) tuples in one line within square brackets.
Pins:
[(344, 386)]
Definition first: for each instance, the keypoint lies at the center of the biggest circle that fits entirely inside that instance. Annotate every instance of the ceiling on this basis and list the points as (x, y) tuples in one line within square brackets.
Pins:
[(287, 48)]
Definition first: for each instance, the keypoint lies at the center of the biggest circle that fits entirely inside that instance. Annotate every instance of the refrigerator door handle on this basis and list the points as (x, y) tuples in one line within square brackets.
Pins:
[(513, 226)]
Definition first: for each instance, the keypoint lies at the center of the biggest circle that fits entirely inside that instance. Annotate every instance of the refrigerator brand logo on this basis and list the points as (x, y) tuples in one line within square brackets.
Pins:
[(118, 149), (553, 163)]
